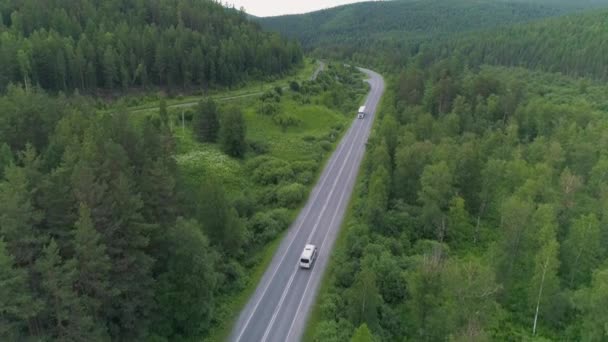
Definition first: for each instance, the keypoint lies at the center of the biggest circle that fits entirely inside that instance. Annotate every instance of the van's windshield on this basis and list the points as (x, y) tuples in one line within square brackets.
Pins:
[(304, 260)]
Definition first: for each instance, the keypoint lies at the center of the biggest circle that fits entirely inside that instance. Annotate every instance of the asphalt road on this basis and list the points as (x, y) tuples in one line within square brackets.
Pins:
[(279, 308)]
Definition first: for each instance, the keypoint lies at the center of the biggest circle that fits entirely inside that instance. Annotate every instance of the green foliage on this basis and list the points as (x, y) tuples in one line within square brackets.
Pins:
[(185, 291), (124, 44), (232, 133), (492, 222), (362, 334), (206, 121), (16, 302), (291, 195), (591, 301)]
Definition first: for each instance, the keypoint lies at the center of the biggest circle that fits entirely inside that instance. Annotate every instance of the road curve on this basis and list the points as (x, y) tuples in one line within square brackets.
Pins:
[(278, 309)]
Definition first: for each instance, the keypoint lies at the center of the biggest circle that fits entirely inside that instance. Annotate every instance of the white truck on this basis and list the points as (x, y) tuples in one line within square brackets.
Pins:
[(361, 113)]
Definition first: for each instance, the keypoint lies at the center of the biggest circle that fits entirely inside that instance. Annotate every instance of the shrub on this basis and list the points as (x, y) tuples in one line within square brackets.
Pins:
[(259, 147), (325, 145), (268, 108), (265, 226), (294, 86), (272, 171), (286, 120), (309, 138), (291, 195)]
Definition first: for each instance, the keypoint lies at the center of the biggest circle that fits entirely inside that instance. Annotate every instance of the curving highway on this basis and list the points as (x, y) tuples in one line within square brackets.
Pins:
[(278, 309)]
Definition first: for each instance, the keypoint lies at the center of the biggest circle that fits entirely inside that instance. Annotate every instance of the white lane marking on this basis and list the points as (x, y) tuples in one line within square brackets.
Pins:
[(320, 247), (333, 188), (325, 237), (286, 290), (310, 203)]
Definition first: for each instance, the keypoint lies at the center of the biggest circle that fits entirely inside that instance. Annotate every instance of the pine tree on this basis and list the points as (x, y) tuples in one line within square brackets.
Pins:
[(16, 301), (184, 292), (163, 113), (64, 313), (19, 217), (206, 123), (6, 158), (92, 264), (220, 221), (362, 334), (232, 133), (110, 68)]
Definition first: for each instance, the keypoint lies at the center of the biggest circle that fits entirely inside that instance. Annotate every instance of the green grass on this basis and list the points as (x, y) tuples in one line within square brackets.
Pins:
[(251, 88)]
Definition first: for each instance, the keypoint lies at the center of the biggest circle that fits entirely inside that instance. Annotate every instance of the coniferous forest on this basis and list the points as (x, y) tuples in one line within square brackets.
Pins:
[(101, 237), (63, 45)]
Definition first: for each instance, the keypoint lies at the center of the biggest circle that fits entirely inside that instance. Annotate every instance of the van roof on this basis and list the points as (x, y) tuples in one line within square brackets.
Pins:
[(307, 253), (362, 108)]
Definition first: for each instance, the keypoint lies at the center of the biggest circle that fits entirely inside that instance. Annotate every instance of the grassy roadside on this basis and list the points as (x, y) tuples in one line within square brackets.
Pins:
[(314, 317), (252, 88)]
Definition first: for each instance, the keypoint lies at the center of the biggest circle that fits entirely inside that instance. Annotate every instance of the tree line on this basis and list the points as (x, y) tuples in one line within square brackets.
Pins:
[(480, 215), (64, 45)]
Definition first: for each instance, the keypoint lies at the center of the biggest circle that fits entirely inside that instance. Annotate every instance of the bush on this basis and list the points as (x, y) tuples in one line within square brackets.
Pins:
[(259, 147), (291, 195), (286, 120), (294, 86), (309, 138), (265, 226), (305, 171), (268, 108), (325, 145), (278, 90), (272, 171), (270, 96)]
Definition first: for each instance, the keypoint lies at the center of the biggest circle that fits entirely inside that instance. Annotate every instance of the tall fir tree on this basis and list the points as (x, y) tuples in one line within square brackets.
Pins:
[(206, 122)]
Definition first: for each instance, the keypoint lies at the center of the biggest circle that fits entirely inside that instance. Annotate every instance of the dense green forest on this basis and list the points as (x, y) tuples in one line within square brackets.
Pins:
[(357, 25), (109, 231), (103, 234), (480, 213), (573, 45), (387, 35), (63, 45)]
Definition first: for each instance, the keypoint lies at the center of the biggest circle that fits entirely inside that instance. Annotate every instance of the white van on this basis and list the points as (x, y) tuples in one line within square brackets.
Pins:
[(361, 113), (308, 256)]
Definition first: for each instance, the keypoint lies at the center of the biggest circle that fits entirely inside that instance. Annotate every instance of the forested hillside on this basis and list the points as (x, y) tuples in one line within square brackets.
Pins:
[(64, 45), (480, 215), (358, 25), (574, 45)]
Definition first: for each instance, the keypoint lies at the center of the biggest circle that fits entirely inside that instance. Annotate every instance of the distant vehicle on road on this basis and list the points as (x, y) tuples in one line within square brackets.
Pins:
[(361, 113), (308, 256)]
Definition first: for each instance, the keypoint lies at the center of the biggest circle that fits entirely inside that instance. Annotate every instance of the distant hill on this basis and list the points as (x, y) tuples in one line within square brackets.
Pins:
[(400, 19), (575, 45)]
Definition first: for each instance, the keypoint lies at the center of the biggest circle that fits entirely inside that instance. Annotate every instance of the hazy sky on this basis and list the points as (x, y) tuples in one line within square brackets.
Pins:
[(265, 8)]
